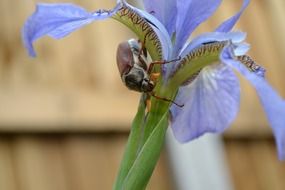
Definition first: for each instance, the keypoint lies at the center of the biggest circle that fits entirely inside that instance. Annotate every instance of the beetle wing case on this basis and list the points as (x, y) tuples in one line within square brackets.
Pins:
[(125, 59)]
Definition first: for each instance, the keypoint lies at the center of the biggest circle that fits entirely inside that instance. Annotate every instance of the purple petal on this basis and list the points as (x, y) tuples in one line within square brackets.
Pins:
[(234, 37), (272, 103), (159, 29), (165, 11), (227, 25), (241, 49), (211, 103), (57, 21), (191, 14)]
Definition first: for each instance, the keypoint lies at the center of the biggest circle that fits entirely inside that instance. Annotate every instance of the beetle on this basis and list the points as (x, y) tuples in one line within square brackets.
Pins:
[(136, 72)]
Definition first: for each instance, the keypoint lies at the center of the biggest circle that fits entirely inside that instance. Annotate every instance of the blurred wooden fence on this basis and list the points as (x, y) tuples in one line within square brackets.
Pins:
[(73, 87), (67, 162), (74, 82)]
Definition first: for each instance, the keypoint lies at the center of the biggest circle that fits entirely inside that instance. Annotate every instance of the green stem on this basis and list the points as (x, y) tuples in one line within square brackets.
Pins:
[(133, 145), (140, 159), (144, 165), (158, 109)]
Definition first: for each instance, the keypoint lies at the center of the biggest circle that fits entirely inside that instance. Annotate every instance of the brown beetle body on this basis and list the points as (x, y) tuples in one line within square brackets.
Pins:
[(135, 70), (133, 66)]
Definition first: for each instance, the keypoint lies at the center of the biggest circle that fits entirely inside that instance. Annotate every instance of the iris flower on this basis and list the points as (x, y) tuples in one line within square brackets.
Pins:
[(210, 92)]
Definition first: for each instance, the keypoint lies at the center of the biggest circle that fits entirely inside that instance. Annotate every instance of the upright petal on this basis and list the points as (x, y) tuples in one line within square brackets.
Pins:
[(228, 24), (272, 103), (165, 11), (211, 103), (191, 13), (57, 21)]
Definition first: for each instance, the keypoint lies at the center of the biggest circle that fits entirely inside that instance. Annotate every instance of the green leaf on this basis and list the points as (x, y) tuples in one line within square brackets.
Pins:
[(133, 146), (147, 158)]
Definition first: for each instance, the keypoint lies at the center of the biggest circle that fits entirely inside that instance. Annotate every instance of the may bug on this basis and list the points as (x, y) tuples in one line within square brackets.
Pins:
[(135, 69)]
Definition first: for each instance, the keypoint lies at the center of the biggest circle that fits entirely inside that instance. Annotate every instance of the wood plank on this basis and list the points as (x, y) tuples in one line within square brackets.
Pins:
[(7, 170), (93, 161), (263, 166), (243, 175), (61, 162), (279, 167), (38, 164), (66, 111), (254, 164)]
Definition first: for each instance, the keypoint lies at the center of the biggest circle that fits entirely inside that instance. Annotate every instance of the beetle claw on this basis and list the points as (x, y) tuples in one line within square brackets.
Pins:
[(148, 105), (154, 76)]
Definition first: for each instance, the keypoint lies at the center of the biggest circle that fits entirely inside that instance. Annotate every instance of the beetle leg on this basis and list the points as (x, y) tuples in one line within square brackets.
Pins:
[(148, 105), (152, 64), (166, 99)]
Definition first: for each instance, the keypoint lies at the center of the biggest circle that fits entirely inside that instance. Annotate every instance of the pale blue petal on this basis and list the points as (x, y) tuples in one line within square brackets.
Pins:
[(234, 37), (164, 10), (159, 29), (57, 21), (272, 103), (191, 13), (211, 103), (241, 49), (227, 25)]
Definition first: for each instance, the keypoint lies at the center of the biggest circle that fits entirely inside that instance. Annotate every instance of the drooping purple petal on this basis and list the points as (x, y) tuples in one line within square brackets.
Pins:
[(57, 21), (191, 13), (228, 24), (211, 103), (164, 10), (272, 103)]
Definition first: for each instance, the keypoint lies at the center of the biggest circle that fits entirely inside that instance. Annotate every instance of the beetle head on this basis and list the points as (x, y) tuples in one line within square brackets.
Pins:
[(137, 79)]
